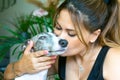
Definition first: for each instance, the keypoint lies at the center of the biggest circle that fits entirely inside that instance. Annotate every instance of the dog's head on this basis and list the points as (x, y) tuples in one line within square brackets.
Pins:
[(50, 42)]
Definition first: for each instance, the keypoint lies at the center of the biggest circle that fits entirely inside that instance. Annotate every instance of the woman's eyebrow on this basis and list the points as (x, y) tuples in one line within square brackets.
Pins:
[(58, 23), (66, 29)]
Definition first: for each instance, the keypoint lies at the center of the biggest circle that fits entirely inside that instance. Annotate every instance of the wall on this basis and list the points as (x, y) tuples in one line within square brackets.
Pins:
[(21, 7)]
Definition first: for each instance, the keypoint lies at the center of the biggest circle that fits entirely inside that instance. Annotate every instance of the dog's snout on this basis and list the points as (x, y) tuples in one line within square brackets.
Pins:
[(63, 42)]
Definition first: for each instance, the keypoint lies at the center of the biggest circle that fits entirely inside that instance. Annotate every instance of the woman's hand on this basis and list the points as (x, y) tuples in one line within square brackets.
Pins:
[(32, 62)]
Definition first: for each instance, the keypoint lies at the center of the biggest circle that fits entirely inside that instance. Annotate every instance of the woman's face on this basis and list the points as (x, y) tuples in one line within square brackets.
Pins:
[(64, 28)]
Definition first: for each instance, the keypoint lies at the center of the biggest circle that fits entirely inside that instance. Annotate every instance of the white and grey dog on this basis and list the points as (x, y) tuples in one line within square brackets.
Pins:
[(45, 41)]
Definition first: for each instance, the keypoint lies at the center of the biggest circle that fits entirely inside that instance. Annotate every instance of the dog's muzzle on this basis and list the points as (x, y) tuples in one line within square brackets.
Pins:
[(48, 41)]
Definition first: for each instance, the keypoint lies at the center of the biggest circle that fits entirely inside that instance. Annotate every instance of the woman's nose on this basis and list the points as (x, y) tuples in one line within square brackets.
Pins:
[(63, 42)]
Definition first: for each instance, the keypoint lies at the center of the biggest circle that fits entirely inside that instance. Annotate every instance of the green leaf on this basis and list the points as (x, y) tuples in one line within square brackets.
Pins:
[(34, 31), (2, 57), (3, 53), (56, 77), (15, 49), (11, 31)]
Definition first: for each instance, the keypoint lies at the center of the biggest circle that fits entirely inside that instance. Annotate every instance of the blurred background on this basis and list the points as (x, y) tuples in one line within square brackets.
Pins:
[(9, 9)]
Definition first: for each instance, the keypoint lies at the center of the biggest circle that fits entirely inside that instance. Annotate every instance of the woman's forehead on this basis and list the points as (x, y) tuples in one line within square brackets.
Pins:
[(64, 20), (65, 26)]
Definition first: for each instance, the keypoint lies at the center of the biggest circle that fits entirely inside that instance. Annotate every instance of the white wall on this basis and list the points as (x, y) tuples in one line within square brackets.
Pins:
[(21, 7)]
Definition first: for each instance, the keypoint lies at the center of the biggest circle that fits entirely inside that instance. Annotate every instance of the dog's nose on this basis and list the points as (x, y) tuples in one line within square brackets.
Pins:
[(63, 42)]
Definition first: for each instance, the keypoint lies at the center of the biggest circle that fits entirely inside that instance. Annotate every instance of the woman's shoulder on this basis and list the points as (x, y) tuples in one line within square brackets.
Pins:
[(113, 56), (114, 52), (112, 64)]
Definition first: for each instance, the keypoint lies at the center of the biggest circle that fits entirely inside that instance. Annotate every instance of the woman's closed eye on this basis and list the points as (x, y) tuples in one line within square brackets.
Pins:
[(71, 33)]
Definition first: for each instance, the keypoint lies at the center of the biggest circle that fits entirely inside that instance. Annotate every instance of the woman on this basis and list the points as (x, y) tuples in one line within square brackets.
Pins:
[(93, 32)]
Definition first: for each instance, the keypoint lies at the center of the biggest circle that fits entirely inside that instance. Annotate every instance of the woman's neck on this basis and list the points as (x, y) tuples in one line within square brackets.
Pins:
[(88, 55), (85, 63)]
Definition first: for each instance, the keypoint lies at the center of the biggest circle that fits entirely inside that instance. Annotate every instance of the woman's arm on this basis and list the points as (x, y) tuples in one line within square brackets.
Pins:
[(10, 72), (29, 63)]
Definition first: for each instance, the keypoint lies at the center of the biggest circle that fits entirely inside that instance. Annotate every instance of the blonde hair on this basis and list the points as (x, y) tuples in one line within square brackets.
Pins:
[(93, 15), (111, 34)]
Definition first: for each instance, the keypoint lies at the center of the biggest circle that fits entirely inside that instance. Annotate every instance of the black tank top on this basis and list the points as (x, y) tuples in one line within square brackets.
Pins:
[(97, 70)]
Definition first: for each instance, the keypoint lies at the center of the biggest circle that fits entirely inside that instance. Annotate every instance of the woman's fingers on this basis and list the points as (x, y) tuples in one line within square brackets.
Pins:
[(46, 58), (44, 67), (41, 66), (46, 63), (40, 53), (41, 69), (36, 61), (28, 48)]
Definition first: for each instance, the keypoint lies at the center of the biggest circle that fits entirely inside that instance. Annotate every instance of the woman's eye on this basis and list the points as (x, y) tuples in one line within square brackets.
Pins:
[(72, 34)]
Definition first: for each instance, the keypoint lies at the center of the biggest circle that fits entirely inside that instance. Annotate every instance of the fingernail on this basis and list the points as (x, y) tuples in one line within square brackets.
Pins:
[(49, 66), (53, 61), (46, 52), (54, 57), (29, 42)]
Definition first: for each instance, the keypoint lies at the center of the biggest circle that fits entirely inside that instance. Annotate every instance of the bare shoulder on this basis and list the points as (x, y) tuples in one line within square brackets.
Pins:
[(112, 64), (114, 53)]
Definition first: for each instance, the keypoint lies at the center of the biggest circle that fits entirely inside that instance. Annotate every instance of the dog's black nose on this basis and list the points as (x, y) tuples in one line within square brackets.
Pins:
[(63, 42)]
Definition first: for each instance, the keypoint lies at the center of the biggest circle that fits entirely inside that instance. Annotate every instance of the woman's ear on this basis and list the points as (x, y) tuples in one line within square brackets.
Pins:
[(94, 35)]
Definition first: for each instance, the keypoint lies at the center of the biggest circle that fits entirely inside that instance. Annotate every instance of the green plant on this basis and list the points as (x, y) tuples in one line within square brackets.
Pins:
[(26, 27), (56, 76)]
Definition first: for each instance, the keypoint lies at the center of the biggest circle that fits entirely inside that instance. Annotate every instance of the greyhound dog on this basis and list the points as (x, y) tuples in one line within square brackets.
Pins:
[(45, 41)]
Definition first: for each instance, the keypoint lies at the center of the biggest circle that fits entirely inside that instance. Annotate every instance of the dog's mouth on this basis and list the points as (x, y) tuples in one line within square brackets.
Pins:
[(61, 50)]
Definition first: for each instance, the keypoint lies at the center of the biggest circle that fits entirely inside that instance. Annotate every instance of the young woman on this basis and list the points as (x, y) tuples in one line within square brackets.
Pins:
[(93, 33)]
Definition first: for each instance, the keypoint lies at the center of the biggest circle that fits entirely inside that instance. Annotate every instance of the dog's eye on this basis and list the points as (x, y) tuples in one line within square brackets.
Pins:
[(42, 37)]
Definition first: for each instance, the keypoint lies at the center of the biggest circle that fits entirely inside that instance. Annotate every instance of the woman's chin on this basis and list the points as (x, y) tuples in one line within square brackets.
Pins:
[(63, 55)]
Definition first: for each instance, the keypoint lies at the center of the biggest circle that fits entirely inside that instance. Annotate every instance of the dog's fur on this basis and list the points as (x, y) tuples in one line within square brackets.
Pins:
[(45, 41)]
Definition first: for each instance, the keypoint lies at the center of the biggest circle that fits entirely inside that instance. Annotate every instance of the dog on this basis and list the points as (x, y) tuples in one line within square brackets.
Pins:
[(45, 41)]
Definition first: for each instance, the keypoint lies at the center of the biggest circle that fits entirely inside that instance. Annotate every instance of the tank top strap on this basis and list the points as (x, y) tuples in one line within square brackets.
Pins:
[(62, 67), (97, 70)]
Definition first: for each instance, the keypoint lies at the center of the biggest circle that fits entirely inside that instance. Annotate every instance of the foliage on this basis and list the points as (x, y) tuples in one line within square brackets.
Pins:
[(26, 27), (56, 77)]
